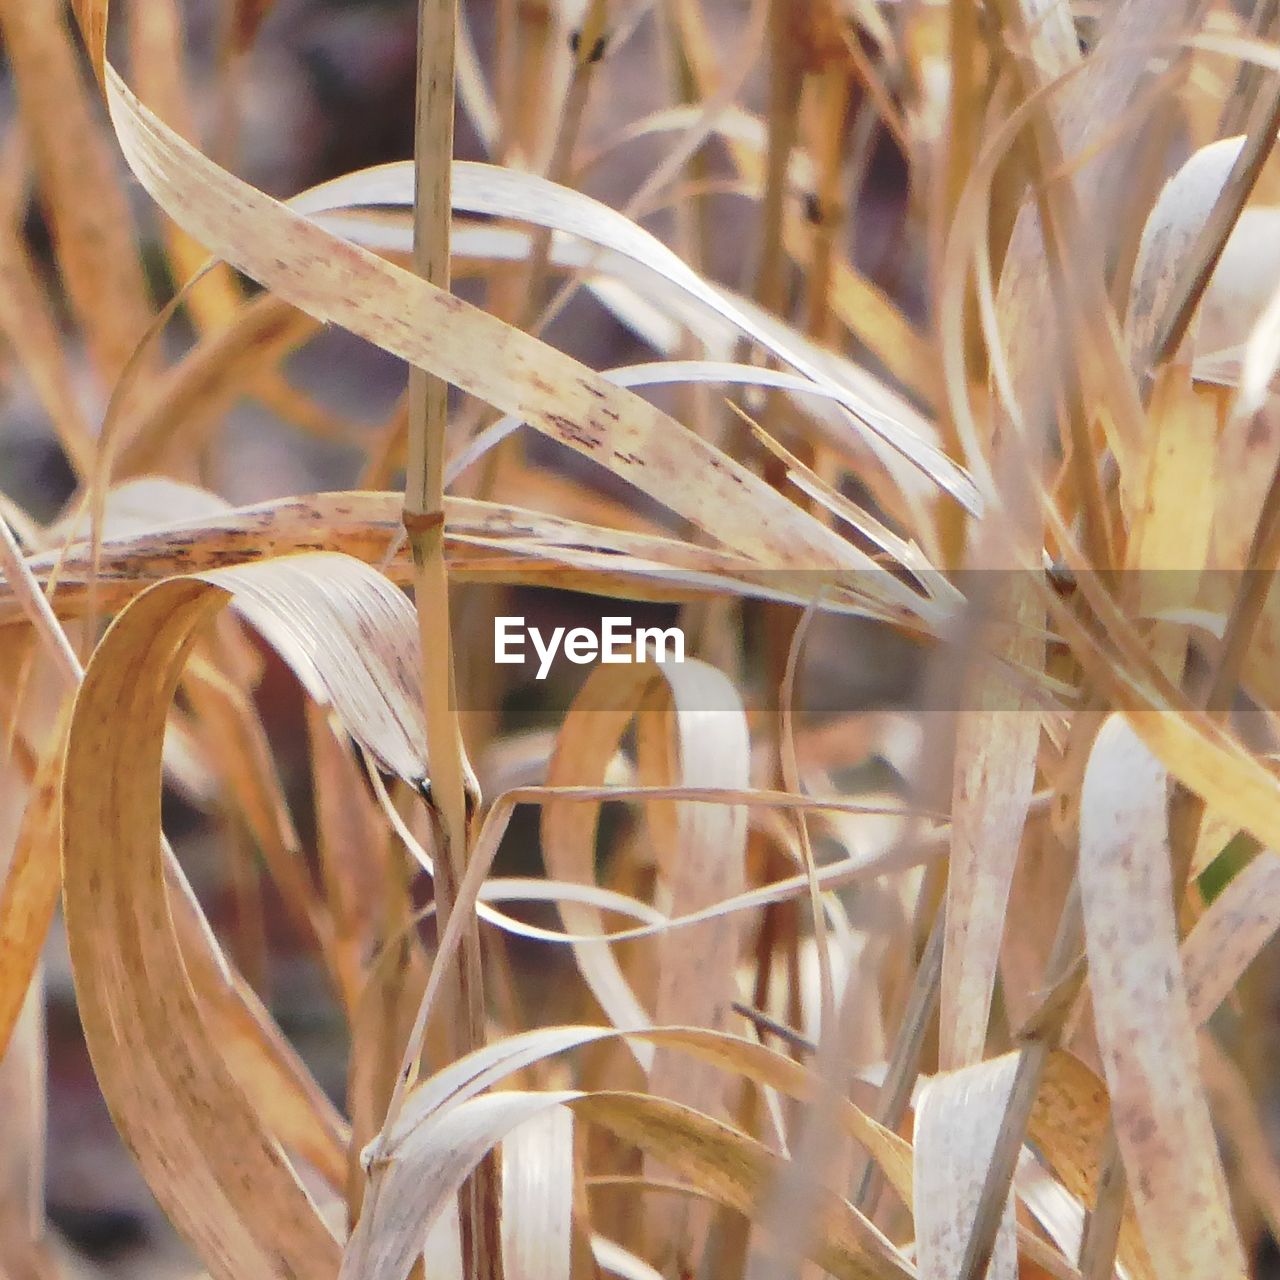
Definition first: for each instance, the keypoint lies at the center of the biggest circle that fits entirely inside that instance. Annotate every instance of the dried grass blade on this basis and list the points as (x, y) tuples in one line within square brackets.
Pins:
[(494, 191), (734, 1169), (265, 1065), (958, 1117), (29, 326), (93, 232), (994, 781), (32, 884), (1144, 1025), (701, 852), (1180, 216), (1231, 933), (350, 637), (1070, 1126), (492, 542), (156, 55), (335, 281), (215, 1169), (537, 1197)]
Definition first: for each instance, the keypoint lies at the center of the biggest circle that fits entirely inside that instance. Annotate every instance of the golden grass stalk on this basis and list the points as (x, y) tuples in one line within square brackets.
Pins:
[(451, 799)]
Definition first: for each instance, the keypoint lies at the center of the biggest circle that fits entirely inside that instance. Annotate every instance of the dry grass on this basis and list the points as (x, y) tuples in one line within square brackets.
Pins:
[(787, 984)]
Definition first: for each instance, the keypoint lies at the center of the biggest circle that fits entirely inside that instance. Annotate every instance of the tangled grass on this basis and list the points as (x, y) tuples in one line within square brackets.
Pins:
[(788, 982)]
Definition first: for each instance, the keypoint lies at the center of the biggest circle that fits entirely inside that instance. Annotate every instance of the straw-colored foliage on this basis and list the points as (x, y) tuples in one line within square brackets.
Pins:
[(743, 1012)]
